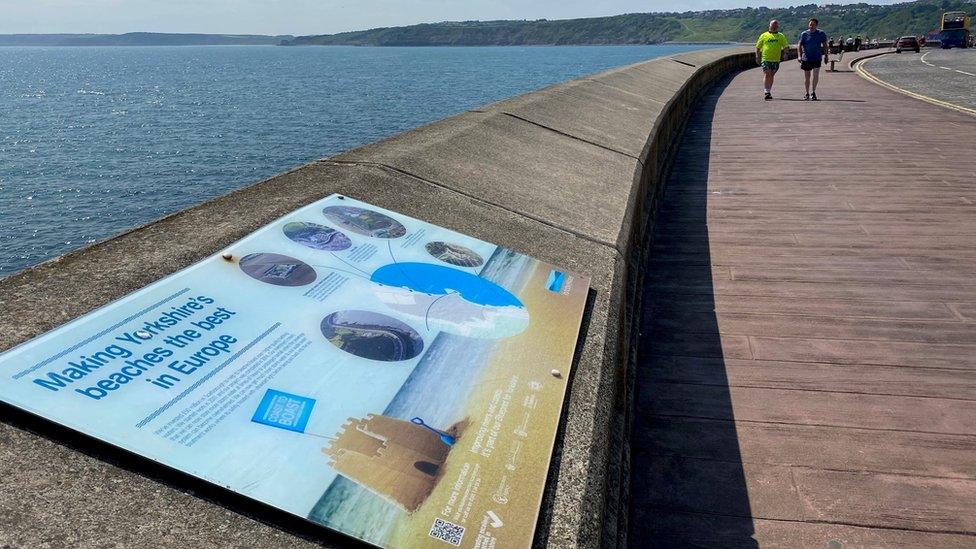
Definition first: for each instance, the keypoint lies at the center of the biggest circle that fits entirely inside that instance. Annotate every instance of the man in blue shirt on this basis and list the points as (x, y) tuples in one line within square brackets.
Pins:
[(811, 48)]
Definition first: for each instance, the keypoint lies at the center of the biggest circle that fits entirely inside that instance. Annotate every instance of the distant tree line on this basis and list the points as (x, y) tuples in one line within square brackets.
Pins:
[(735, 25)]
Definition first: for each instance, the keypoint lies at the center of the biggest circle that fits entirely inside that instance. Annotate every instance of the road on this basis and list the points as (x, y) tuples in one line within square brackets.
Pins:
[(944, 75)]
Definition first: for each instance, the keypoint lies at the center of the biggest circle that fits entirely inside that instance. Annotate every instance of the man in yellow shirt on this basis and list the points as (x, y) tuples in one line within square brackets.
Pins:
[(770, 49)]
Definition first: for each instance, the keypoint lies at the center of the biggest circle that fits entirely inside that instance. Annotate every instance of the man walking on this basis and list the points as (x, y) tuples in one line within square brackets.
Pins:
[(811, 48), (769, 53)]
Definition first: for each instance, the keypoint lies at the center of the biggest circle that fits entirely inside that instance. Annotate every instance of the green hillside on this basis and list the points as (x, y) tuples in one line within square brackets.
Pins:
[(737, 25)]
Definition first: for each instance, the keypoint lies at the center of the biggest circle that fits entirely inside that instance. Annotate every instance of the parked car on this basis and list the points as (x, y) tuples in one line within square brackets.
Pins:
[(907, 43)]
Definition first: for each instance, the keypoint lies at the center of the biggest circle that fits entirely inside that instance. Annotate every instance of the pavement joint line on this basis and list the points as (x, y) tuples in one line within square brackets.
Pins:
[(806, 389), (826, 316), (669, 508), (906, 284), (860, 68), (473, 197), (953, 322), (806, 467), (655, 354), (829, 425), (571, 136)]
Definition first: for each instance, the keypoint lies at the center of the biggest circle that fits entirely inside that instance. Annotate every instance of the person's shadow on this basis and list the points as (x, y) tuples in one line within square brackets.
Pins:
[(688, 487)]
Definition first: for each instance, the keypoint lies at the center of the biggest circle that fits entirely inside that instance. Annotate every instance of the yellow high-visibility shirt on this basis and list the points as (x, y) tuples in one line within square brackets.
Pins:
[(772, 45)]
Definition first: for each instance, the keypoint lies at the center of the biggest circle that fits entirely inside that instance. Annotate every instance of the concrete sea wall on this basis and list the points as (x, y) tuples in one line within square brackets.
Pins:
[(570, 174)]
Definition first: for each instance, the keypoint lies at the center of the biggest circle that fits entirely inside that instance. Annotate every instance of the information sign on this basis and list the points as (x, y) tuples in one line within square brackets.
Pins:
[(373, 373)]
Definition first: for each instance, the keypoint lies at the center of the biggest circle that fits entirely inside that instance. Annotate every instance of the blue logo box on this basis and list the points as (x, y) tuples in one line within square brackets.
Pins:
[(555, 281), (284, 411)]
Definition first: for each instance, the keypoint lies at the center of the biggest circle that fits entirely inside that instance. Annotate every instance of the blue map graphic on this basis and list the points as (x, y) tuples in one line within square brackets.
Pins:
[(438, 280)]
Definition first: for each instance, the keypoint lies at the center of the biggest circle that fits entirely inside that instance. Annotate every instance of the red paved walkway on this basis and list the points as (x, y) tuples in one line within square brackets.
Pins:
[(808, 356)]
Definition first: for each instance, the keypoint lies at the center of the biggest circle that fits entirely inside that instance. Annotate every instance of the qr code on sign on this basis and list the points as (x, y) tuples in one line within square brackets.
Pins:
[(447, 531)]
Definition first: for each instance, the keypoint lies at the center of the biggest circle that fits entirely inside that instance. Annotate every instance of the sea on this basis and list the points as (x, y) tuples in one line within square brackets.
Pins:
[(97, 140)]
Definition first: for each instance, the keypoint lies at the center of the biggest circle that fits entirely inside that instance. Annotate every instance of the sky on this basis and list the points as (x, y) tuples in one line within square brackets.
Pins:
[(304, 17)]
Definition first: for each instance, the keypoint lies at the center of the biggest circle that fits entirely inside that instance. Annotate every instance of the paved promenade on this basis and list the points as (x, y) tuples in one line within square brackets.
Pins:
[(807, 368)]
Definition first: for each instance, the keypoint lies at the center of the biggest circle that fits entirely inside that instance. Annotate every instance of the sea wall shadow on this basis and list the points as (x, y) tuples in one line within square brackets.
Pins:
[(688, 485)]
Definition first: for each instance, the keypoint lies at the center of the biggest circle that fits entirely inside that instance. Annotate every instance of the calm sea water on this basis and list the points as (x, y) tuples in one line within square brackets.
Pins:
[(94, 141)]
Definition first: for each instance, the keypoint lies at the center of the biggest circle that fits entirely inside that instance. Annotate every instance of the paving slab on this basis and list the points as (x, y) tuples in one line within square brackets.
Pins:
[(833, 448), (889, 501), (590, 111), (805, 407), (668, 529), (842, 351), (966, 311), (518, 166), (817, 376), (823, 307), (801, 494), (764, 325), (709, 486), (926, 289)]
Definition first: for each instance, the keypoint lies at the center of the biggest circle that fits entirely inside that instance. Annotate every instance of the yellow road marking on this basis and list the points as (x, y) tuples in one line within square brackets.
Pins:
[(861, 70)]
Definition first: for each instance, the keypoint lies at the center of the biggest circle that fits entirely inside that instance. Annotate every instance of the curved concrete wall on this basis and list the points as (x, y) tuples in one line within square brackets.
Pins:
[(569, 174)]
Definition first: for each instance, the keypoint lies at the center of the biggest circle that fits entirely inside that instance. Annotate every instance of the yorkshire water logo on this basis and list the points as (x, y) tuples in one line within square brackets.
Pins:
[(284, 411), (555, 281)]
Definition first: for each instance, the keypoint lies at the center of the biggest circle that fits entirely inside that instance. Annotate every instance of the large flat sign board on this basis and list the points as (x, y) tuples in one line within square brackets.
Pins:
[(373, 373)]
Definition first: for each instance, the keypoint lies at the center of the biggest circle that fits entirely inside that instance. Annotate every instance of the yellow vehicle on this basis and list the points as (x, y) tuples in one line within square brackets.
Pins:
[(955, 30)]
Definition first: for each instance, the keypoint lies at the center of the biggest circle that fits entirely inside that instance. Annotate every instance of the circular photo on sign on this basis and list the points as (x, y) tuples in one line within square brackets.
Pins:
[(450, 300), (277, 269), (372, 335), (316, 236), (454, 254), (365, 222)]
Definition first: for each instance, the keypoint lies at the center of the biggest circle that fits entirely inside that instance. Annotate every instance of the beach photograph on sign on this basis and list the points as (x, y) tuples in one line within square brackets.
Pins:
[(381, 376)]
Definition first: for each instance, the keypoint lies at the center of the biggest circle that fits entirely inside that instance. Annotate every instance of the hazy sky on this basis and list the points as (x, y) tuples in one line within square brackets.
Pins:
[(308, 16)]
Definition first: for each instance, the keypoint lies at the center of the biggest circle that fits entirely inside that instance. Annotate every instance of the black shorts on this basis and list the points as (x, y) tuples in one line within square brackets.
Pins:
[(810, 65)]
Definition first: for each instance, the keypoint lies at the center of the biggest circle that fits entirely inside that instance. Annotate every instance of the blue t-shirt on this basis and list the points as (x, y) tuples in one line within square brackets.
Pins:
[(812, 44)]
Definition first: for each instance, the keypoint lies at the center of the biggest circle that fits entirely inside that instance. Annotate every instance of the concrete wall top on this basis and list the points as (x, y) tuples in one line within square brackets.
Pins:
[(563, 174)]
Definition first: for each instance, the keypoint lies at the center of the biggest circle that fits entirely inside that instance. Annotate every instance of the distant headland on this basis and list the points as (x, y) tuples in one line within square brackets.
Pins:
[(140, 39)]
